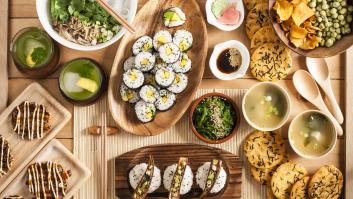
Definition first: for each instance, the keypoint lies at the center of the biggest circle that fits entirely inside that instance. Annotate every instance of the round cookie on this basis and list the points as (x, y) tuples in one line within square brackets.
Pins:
[(256, 19), (249, 4), (5, 155), (262, 176), (300, 189), (284, 177), (263, 35), (327, 182), (264, 150), (270, 62)]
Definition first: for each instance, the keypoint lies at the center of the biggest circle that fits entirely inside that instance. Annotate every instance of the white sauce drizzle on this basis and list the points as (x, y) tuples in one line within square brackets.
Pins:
[(4, 157)]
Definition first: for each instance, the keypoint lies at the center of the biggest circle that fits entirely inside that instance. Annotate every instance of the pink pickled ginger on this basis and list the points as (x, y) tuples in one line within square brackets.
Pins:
[(230, 16)]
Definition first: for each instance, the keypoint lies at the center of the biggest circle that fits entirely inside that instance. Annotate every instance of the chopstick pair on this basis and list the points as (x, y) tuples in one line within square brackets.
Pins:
[(104, 172), (116, 15)]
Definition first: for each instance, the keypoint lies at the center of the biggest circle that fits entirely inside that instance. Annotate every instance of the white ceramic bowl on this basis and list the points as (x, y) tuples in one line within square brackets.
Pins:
[(126, 7), (286, 116), (244, 63), (211, 19), (333, 142)]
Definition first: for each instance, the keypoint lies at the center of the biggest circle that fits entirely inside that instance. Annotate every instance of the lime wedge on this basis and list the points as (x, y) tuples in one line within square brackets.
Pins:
[(87, 84)]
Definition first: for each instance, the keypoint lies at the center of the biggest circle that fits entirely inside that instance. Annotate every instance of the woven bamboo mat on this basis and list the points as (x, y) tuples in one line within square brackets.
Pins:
[(87, 147)]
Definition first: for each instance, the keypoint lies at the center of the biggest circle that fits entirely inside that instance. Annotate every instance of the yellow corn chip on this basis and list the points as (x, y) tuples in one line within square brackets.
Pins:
[(311, 42), (301, 13), (284, 9), (298, 32), (296, 42)]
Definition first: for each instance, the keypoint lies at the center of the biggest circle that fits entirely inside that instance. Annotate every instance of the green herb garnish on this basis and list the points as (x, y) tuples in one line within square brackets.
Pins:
[(39, 55)]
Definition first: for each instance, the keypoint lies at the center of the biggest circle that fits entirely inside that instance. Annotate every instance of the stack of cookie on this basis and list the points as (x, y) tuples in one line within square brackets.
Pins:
[(270, 166), (270, 60)]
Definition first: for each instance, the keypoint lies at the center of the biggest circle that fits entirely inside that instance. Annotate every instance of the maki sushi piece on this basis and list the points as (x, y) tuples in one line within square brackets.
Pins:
[(129, 63), (169, 53), (179, 84), (160, 64), (150, 80), (165, 101), (173, 17), (178, 178), (13, 197), (149, 94), (160, 38), (211, 177), (47, 180), (31, 120), (143, 44), (6, 156), (183, 39), (145, 61), (133, 78), (183, 65), (164, 77), (145, 112), (145, 178), (128, 94)]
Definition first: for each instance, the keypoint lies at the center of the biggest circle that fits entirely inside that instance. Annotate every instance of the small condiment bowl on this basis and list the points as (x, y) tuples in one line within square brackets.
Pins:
[(285, 118), (245, 56), (211, 19), (297, 151), (191, 118)]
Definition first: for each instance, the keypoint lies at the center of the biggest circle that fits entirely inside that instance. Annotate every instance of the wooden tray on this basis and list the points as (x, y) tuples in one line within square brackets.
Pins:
[(53, 151), (147, 22), (168, 154), (23, 151)]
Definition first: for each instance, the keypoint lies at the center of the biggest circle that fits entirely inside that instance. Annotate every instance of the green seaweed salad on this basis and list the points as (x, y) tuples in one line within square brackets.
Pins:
[(82, 21), (214, 118)]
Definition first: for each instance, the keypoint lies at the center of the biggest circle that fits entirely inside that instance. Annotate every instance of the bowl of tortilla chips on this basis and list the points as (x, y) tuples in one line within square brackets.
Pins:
[(296, 24)]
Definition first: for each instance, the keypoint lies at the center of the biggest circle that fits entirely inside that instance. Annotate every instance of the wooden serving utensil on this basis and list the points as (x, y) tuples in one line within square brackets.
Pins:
[(116, 15), (104, 172)]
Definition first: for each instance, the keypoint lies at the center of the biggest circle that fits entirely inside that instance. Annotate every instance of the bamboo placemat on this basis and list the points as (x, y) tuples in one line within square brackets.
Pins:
[(87, 147)]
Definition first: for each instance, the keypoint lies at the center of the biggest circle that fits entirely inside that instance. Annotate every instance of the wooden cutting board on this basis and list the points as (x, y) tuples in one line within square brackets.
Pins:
[(168, 154)]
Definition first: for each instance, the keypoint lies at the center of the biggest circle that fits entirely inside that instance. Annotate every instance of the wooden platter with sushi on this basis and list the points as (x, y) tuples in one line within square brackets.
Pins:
[(128, 165), (149, 21)]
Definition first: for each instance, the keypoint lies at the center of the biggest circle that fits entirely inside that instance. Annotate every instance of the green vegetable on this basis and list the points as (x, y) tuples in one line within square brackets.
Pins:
[(39, 55)]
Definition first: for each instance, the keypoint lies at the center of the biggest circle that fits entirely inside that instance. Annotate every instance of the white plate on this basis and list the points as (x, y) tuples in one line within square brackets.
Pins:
[(126, 7)]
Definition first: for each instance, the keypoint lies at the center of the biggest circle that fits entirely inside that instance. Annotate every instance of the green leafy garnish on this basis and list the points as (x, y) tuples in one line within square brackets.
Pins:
[(39, 55)]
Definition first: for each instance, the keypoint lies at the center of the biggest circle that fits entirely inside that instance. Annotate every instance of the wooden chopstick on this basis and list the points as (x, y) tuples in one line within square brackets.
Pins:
[(116, 15), (104, 173)]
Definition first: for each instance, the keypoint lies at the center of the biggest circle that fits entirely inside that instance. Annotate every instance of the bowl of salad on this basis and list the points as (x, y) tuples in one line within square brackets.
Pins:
[(83, 24), (214, 118)]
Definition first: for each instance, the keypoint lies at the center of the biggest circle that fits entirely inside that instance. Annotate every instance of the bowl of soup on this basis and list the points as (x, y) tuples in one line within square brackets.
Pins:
[(312, 134), (266, 106)]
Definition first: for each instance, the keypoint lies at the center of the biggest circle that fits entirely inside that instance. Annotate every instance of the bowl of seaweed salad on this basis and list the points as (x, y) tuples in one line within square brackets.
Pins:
[(214, 118)]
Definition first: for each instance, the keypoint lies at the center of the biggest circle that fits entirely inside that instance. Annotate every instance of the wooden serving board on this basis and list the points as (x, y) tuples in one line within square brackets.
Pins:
[(168, 154), (147, 22), (23, 151), (53, 151)]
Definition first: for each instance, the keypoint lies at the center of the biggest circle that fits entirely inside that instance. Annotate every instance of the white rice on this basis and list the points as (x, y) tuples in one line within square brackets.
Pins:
[(183, 39), (129, 63), (149, 94), (180, 83), (145, 61), (169, 53), (201, 177), (187, 180), (145, 112), (160, 38), (180, 13), (183, 65), (129, 95), (133, 78), (166, 100), (164, 77), (138, 171), (143, 44)]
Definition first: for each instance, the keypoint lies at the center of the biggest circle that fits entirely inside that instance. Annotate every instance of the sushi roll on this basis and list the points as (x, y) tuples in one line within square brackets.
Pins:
[(151, 80), (211, 177), (145, 61), (183, 65), (145, 178), (179, 84), (129, 95), (183, 39), (169, 53), (133, 78), (166, 100), (173, 17), (149, 94), (164, 77), (129, 63), (143, 44), (145, 112), (160, 38), (178, 178)]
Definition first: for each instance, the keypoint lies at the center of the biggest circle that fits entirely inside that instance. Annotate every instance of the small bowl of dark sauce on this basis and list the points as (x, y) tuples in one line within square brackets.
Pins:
[(229, 60)]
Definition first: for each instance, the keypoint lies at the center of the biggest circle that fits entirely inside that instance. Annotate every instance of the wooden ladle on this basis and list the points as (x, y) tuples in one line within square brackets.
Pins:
[(307, 87), (320, 72)]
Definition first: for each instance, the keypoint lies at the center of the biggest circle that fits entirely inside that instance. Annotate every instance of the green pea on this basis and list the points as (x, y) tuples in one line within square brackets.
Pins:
[(334, 34), (329, 43), (349, 18), (319, 1), (319, 19), (342, 22), (340, 17), (319, 34), (334, 15), (350, 8), (338, 30), (325, 7), (343, 11), (321, 26), (336, 25), (344, 3), (323, 13), (322, 42), (338, 37), (335, 4), (328, 24), (312, 4), (333, 11)]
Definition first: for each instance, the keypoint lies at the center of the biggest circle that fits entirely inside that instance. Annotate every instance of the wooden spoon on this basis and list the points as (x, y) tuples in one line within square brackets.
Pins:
[(319, 70), (307, 87)]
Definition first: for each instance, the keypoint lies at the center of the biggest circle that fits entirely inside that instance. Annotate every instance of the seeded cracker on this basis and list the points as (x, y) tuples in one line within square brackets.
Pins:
[(263, 35), (284, 177), (270, 62), (300, 189), (262, 176), (327, 182), (264, 150), (249, 4), (256, 19)]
